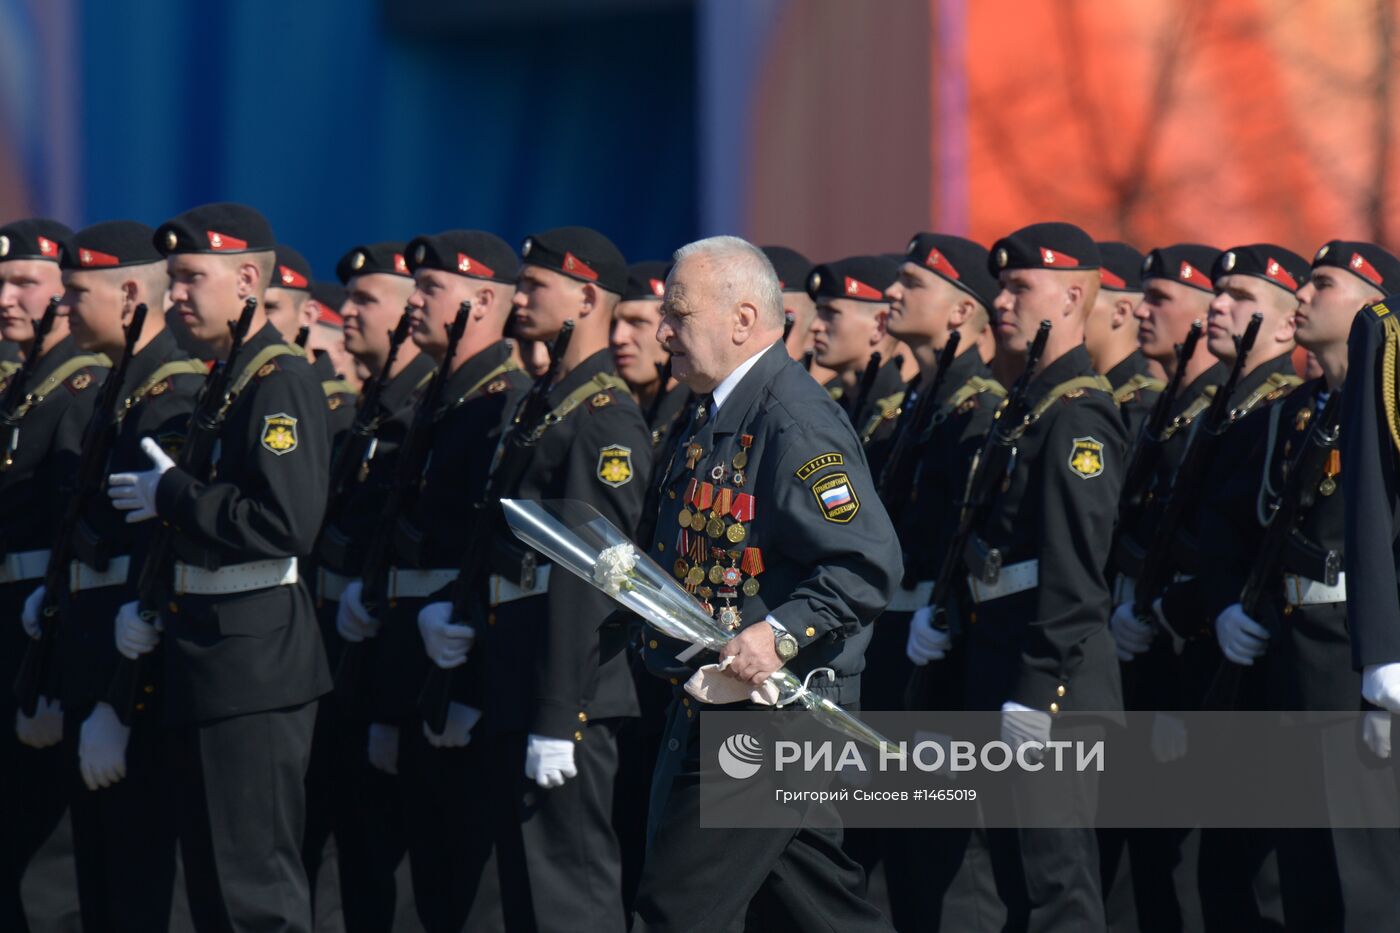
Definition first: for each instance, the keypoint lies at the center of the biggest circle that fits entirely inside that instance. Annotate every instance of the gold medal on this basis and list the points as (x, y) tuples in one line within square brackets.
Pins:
[(1327, 486), (716, 574), (729, 617), (736, 533), (751, 586), (681, 568), (704, 592), (714, 527), (684, 517), (695, 577), (741, 459), (697, 522)]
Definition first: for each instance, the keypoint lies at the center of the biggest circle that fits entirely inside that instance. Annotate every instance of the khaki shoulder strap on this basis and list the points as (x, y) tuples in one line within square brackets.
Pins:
[(885, 409), (7, 367), (1068, 387), (1276, 386), (1138, 383), (506, 367), (337, 387), (599, 383), (1198, 404), (972, 387), (164, 372), (1389, 376), (262, 358), (56, 378)]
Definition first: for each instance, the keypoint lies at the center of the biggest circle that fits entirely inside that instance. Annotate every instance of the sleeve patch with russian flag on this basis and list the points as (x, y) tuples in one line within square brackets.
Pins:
[(837, 498)]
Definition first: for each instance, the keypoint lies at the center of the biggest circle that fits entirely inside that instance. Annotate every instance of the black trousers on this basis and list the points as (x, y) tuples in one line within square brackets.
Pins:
[(124, 835), (241, 805), (727, 879), (491, 850), (34, 783)]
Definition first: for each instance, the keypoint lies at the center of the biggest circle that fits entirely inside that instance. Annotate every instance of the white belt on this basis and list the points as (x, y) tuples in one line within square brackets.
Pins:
[(1303, 591), (506, 591), (82, 577), (24, 565), (911, 600), (1016, 578), (412, 583), (238, 578), (331, 585)]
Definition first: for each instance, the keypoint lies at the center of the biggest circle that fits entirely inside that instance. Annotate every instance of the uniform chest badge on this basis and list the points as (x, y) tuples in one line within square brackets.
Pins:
[(615, 465), (334, 402), (1086, 457), (279, 433), (267, 369), (157, 389), (81, 382), (498, 386)]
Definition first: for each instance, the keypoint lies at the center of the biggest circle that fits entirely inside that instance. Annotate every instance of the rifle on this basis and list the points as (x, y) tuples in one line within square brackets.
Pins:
[(993, 460), (789, 319), (1157, 564), (98, 436), (512, 457), (303, 334), (867, 382), (196, 457), (413, 459), (1147, 454), (360, 443), (897, 478), (663, 376), (18, 386)]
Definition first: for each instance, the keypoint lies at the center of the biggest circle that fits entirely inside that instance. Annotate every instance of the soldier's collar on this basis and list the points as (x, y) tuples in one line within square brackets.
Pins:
[(1075, 362), (602, 361), (1129, 366), (151, 357)]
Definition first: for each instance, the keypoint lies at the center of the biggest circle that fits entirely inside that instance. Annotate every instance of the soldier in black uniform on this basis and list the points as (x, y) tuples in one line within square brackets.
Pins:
[(123, 825), (1300, 646), (346, 795), (798, 307), (1042, 653), (1111, 336), (849, 328), (640, 360), (334, 364), (243, 664), (33, 783), (770, 515)]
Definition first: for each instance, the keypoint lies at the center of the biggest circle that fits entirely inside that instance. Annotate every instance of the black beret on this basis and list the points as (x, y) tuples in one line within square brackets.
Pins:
[(860, 278), (371, 258), (579, 253), (959, 261), (216, 228), (1045, 246), (1122, 267), (792, 267), (646, 281), (1187, 263), (35, 238), (109, 246), (330, 296), (1266, 261), (292, 270), (1367, 260), (475, 254)]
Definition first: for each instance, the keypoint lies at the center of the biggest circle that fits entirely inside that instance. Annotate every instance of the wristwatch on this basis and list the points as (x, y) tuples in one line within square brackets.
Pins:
[(785, 644)]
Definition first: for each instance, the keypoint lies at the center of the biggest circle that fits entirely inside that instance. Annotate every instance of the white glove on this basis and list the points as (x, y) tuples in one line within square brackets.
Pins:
[(29, 618), (458, 731), (549, 762), (1375, 732), (1021, 724), (384, 747), (446, 644), (44, 728), (135, 636), (1241, 638), (135, 493), (1380, 685), (352, 622), (102, 748), (926, 643), (1131, 636), (1168, 737)]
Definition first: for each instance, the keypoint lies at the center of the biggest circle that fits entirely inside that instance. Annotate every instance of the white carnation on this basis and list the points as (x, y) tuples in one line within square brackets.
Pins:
[(614, 567)]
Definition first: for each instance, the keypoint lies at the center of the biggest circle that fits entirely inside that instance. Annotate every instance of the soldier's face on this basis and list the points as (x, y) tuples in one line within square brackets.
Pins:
[(26, 285), (846, 332), (544, 300), (1027, 297), (286, 310), (920, 305), (1237, 298), (1165, 315), (436, 297), (636, 351), (207, 292), (373, 305), (93, 301), (1327, 304)]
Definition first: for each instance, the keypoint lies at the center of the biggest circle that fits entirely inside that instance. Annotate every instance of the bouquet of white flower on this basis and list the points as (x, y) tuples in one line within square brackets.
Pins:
[(577, 538)]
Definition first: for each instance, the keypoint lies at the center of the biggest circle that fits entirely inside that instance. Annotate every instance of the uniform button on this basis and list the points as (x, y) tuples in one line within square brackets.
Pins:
[(582, 716), (1288, 610), (660, 546), (174, 607), (673, 745), (675, 681), (1060, 690), (578, 736), (690, 714), (1054, 707), (140, 706), (671, 494), (685, 701), (149, 688), (811, 632), (652, 644)]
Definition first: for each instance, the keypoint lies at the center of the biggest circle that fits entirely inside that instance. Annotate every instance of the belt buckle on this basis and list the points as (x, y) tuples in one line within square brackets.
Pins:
[(991, 567), (1332, 568), (527, 571)]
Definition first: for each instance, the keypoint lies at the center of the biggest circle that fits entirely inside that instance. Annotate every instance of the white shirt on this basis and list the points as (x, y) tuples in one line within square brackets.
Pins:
[(731, 381)]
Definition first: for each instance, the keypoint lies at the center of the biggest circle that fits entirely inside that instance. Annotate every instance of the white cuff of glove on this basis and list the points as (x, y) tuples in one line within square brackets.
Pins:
[(383, 748), (926, 643), (1242, 639), (135, 493), (44, 728), (1380, 685), (29, 617), (134, 635), (549, 762), (352, 622), (1131, 636), (445, 643), (1021, 725), (457, 733), (102, 748), (1168, 737), (1375, 732)]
